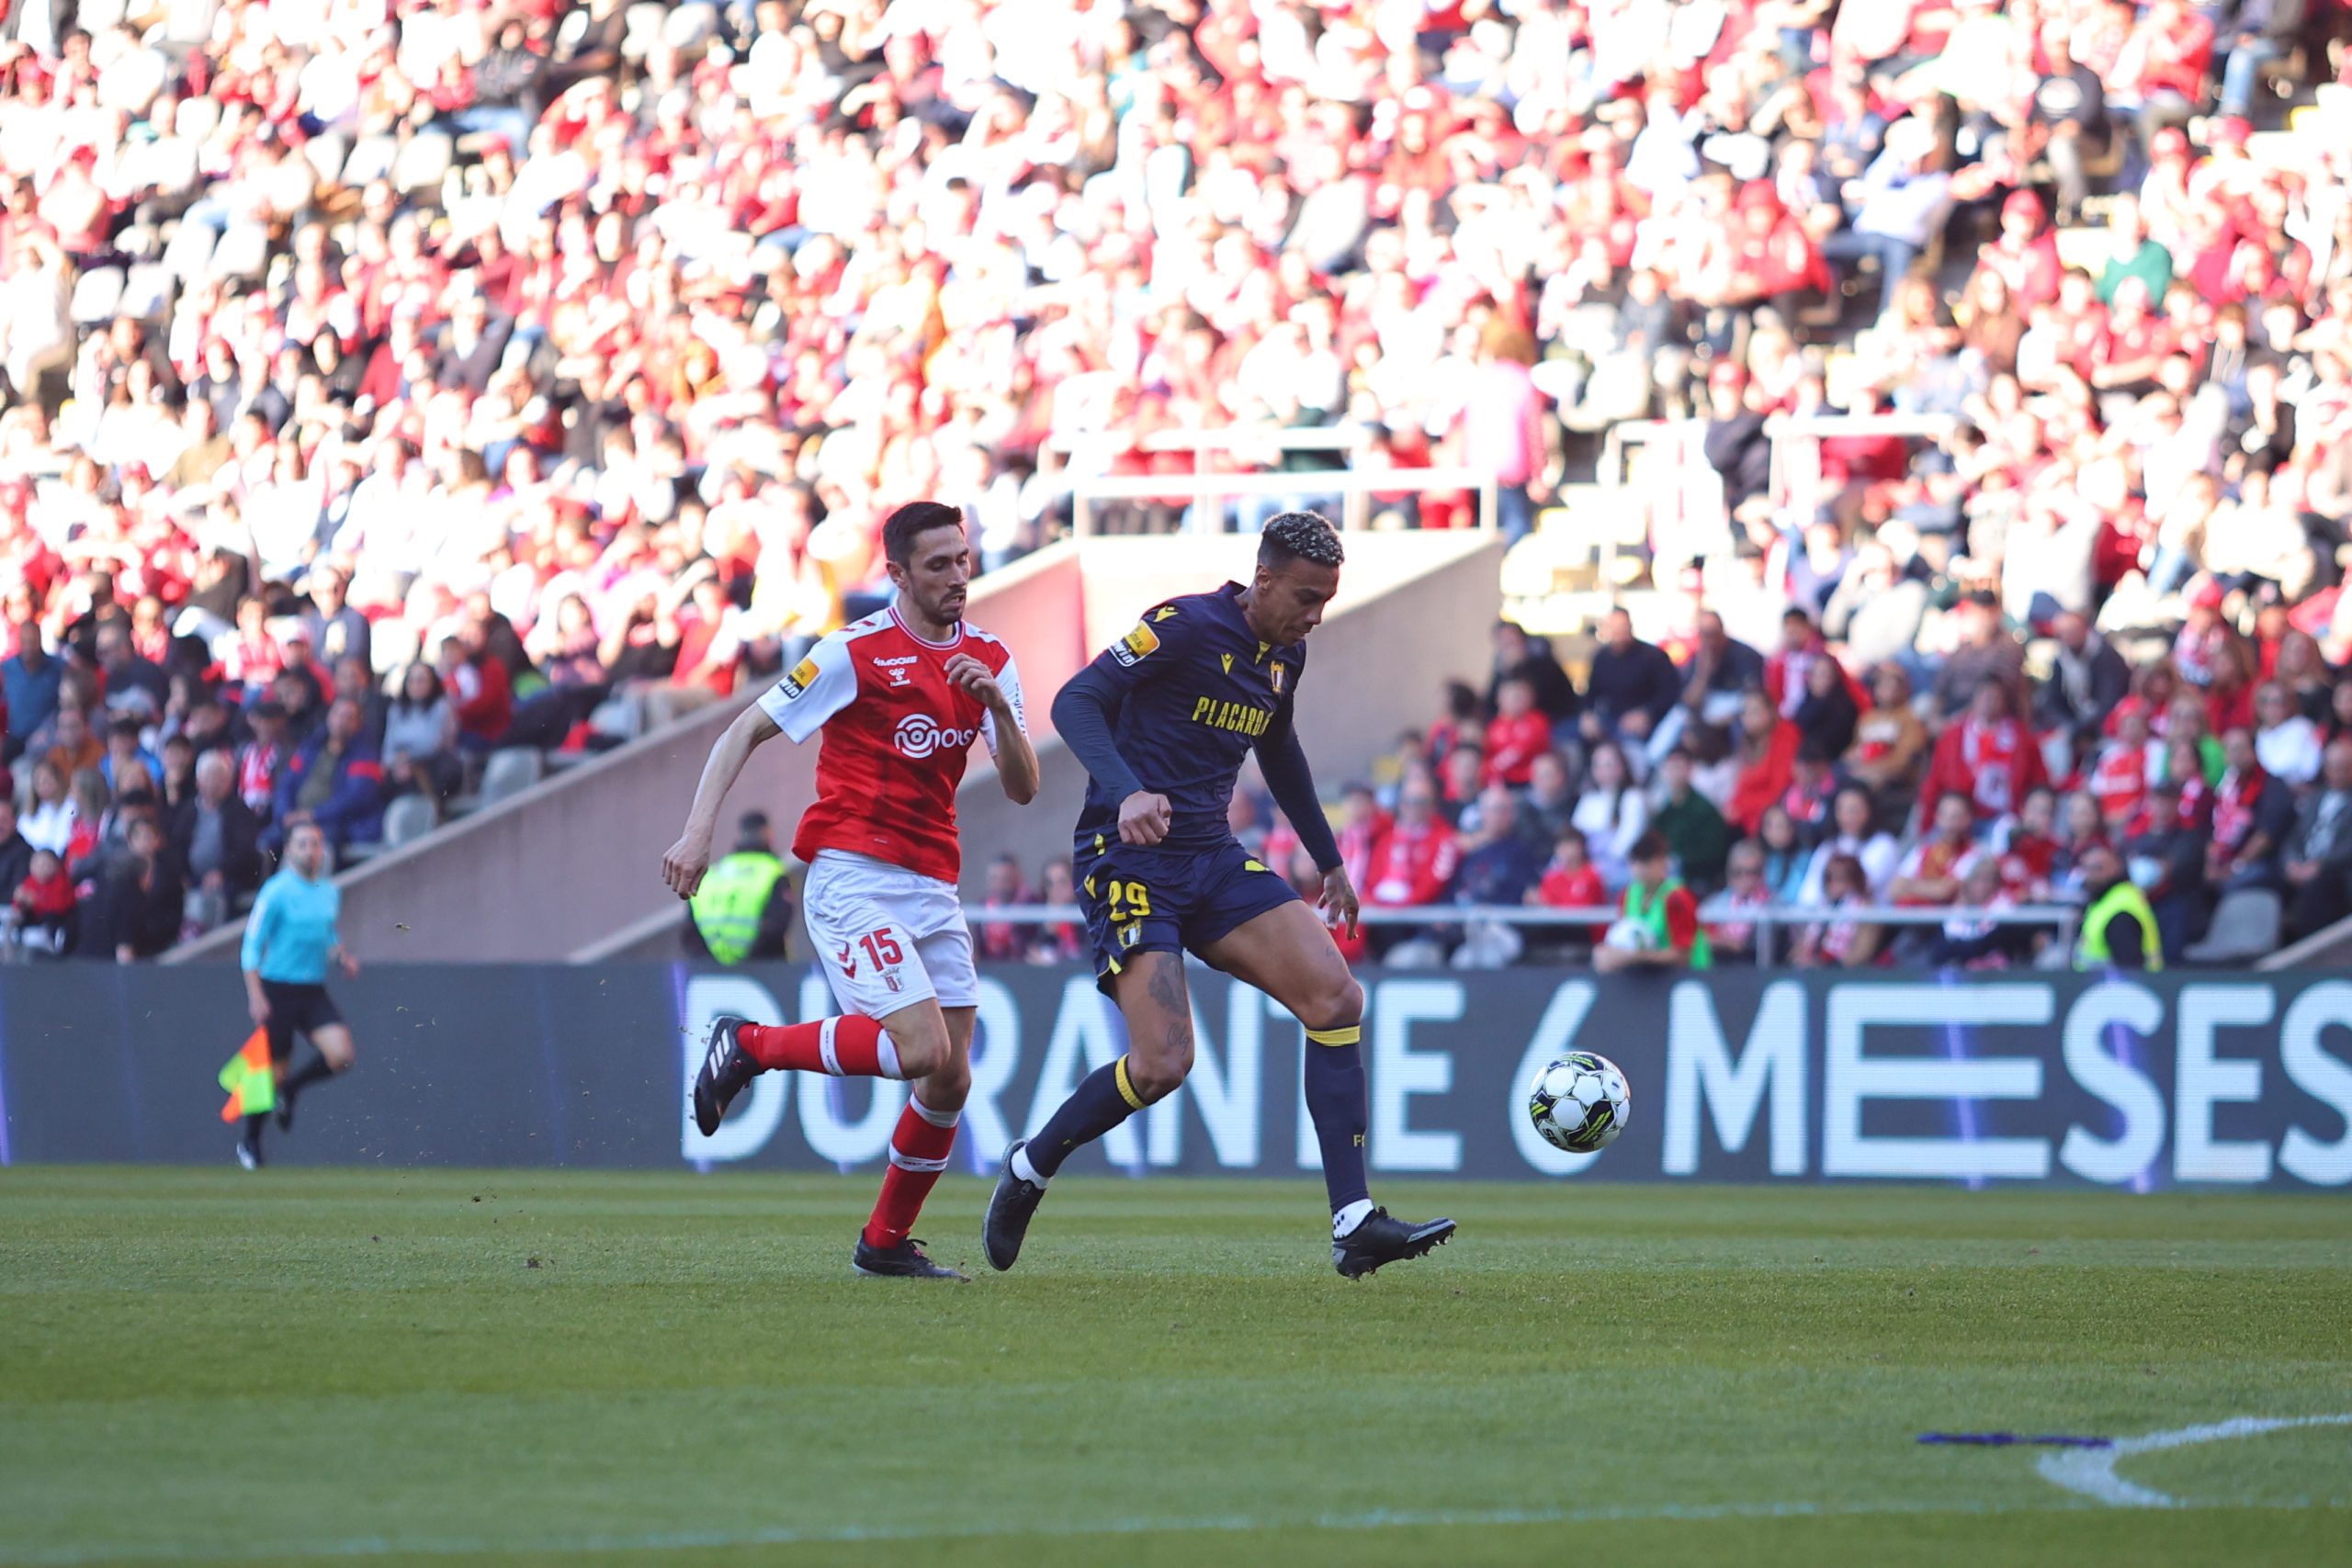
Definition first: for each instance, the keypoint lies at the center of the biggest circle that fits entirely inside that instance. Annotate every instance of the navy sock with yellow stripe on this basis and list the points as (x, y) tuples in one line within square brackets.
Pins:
[(1107, 1098), (1335, 1099)]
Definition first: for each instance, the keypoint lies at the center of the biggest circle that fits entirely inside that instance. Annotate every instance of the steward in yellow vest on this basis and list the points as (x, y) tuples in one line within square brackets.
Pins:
[(2119, 928), (744, 906)]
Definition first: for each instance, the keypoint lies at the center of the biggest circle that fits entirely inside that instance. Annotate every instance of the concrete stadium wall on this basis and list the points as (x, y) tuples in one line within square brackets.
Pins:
[(570, 868)]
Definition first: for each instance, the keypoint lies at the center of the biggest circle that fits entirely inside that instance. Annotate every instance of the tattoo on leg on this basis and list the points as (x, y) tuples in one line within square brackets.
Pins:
[(1166, 989)]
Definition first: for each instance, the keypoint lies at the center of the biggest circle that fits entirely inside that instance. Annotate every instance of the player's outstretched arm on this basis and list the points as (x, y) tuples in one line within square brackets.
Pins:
[(684, 865)]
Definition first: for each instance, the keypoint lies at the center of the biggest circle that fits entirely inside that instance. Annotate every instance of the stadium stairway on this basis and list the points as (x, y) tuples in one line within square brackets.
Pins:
[(569, 869)]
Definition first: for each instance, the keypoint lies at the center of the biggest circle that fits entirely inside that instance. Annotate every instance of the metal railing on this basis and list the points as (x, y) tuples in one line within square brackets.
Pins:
[(1680, 499), (1796, 447), (1769, 920), (1355, 488), (1352, 439)]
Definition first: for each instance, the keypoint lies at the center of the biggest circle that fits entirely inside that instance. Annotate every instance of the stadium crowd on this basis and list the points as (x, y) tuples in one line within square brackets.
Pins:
[(385, 382)]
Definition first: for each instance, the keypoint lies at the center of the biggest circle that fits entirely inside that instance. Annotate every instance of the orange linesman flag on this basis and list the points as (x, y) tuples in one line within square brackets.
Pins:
[(253, 1087)]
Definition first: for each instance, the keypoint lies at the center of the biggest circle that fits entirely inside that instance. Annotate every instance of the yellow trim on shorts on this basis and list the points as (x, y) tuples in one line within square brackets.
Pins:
[(1126, 1085), (1346, 1034)]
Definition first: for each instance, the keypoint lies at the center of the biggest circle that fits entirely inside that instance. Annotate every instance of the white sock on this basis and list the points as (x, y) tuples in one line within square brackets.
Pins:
[(885, 1056), (1348, 1218), (1027, 1172)]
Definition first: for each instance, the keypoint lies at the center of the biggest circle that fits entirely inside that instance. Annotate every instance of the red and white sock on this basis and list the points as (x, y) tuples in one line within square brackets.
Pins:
[(855, 1048), (918, 1150)]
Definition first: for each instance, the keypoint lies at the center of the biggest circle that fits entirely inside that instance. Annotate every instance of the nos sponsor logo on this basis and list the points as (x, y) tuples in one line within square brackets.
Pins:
[(919, 735)]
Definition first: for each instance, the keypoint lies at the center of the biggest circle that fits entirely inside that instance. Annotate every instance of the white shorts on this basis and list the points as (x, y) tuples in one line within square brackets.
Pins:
[(886, 936)]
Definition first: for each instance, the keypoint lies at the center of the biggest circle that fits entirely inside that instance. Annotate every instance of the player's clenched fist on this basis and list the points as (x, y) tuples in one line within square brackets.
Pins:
[(1143, 819), (683, 866), (976, 680)]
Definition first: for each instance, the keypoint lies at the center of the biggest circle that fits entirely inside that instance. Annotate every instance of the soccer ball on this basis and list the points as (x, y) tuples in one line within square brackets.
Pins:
[(1630, 936), (1579, 1102)]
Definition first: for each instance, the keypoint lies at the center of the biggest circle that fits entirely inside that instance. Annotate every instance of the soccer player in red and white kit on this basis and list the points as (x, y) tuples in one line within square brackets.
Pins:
[(899, 697)]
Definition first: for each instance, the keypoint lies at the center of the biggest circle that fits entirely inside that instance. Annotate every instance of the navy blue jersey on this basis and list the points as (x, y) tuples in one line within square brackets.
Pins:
[(1196, 690)]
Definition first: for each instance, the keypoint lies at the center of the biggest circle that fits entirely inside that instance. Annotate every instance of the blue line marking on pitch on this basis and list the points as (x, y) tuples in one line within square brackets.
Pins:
[(2013, 1439), (1964, 1108), (2119, 1040)]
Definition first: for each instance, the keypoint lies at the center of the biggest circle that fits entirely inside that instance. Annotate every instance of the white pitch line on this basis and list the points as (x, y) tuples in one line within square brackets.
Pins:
[(690, 1540), (2091, 1471)]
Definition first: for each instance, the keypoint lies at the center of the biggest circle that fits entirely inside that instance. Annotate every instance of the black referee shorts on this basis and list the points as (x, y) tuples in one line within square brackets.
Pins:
[(296, 1008)]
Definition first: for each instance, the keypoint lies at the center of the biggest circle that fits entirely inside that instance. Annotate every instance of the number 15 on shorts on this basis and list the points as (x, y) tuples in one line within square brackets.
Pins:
[(882, 951)]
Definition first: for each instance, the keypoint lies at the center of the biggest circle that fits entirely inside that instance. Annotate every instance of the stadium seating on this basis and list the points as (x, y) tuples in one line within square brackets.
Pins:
[(446, 360)]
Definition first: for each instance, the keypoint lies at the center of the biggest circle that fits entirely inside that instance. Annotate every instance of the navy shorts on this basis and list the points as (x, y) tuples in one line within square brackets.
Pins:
[(296, 1008), (1142, 900)]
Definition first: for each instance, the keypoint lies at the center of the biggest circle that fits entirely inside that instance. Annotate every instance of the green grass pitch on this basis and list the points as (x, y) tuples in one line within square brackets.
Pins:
[(308, 1366)]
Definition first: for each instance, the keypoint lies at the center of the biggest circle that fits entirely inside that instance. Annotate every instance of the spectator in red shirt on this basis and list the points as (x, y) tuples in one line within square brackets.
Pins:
[(1062, 942), (2119, 779), (1516, 735), (483, 691), (1930, 873), (1361, 827), (2132, 350), (1768, 755), (2024, 253), (1570, 881), (1415, 864), (1003, 941), (1990, 758)]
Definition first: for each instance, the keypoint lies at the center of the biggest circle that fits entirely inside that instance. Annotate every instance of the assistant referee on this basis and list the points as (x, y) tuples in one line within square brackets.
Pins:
[(291, 937)]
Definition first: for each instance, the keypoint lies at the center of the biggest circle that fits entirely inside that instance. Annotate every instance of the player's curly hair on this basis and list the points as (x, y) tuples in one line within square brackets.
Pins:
[(1299, 536)]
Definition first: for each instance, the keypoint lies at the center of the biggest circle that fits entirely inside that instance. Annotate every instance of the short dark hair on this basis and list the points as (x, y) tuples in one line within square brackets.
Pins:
[(910, 522), (1299, 536), (1651, 845)]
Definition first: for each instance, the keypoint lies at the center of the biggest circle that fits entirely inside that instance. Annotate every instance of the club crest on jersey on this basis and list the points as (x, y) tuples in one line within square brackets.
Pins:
[(1136, 644), (800, 678), (1278, 677)]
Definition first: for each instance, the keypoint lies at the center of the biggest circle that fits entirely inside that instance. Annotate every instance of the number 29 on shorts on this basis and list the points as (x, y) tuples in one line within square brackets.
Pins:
[(1129, 901)]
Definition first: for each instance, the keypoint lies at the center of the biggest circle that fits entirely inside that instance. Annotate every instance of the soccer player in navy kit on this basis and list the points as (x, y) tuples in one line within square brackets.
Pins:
[(1162, 721)]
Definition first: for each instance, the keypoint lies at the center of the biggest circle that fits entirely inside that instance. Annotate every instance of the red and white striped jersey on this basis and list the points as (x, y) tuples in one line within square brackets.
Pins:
[(897, 734)]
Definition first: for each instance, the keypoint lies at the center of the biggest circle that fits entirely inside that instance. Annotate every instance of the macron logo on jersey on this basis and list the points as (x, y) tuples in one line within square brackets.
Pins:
[(919, 735)]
